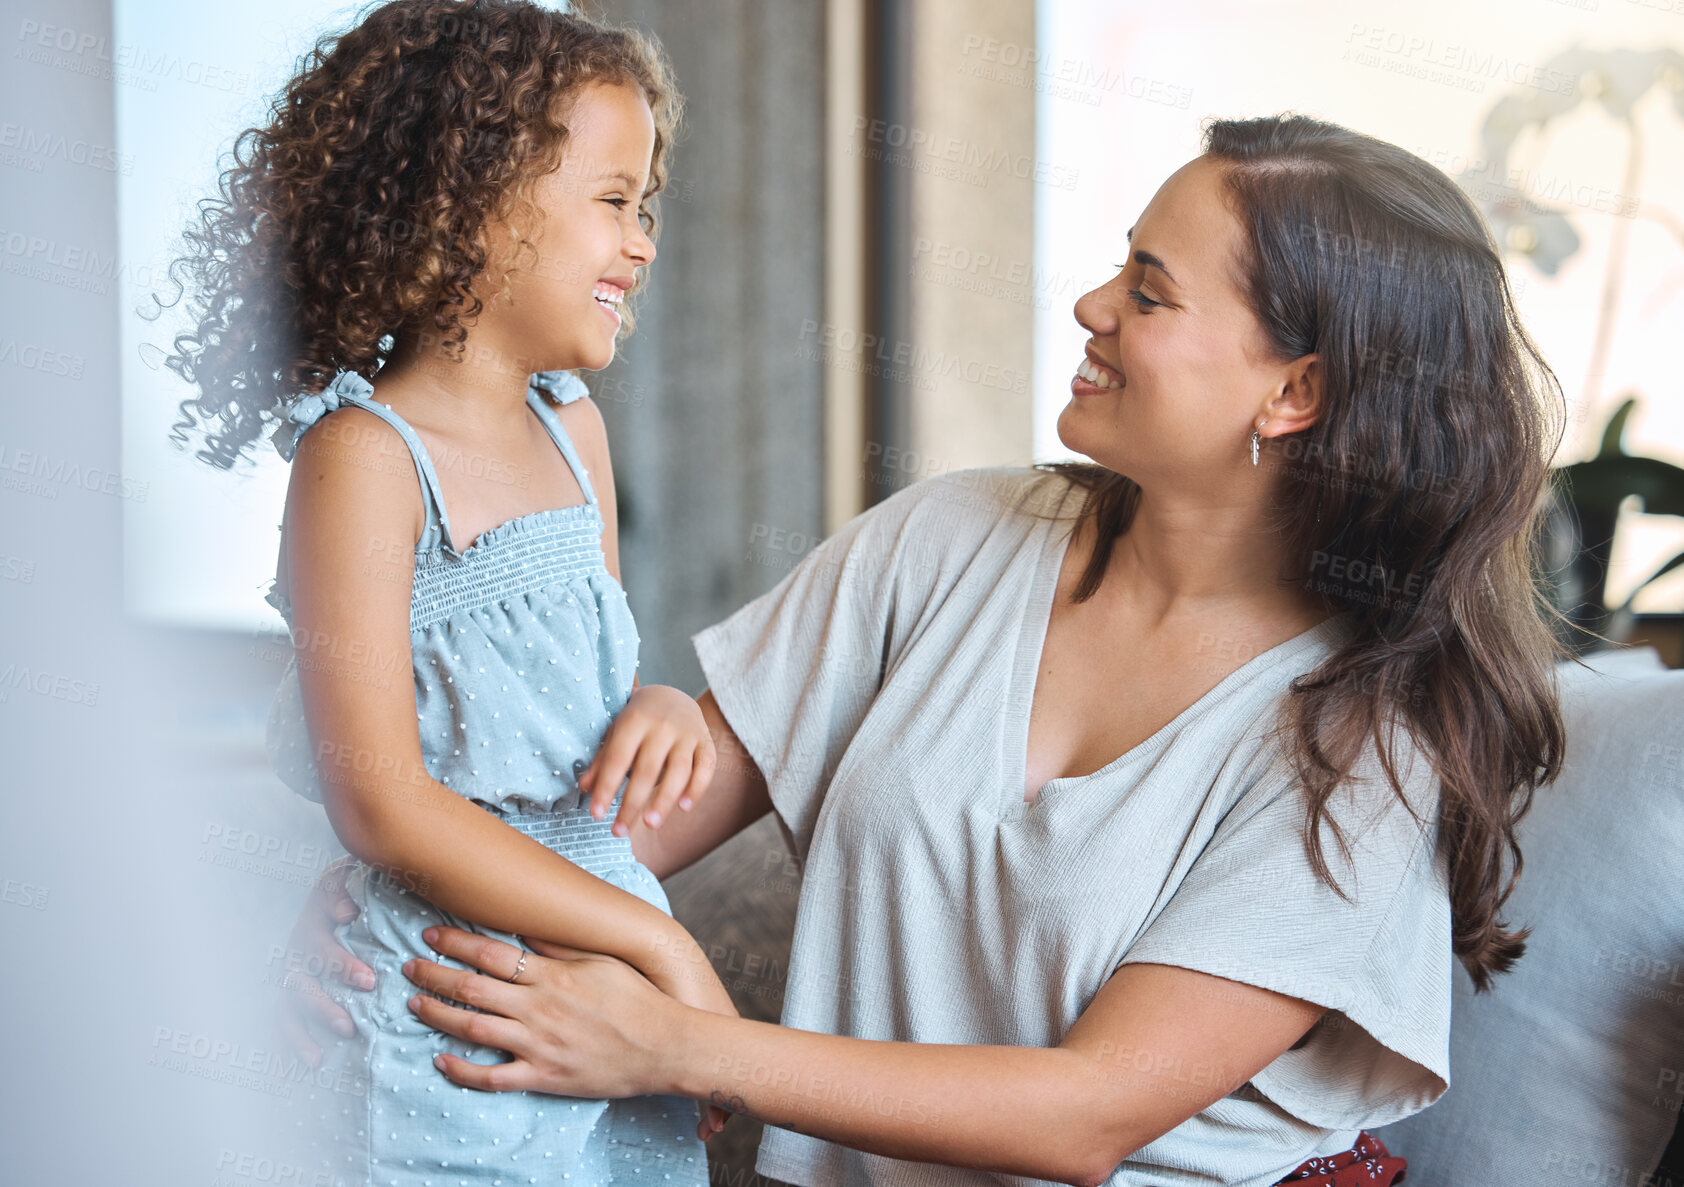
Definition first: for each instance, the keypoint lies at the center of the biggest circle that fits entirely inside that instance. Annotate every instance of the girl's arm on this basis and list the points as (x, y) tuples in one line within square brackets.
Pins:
[(738, 798), (1157, 1045), (353, 516)]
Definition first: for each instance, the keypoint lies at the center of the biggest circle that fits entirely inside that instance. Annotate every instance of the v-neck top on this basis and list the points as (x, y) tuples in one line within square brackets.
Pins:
[(1025, 671), (883, 687)]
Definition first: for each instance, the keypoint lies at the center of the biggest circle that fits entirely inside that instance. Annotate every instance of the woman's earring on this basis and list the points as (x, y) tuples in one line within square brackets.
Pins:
[(1254, 443)]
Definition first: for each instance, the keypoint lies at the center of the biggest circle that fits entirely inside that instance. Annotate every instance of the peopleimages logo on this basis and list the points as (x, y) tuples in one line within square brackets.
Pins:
[(47, 146), (1084, 81), (905, 361), (954, 156), (37, 469), (48, 684), (1463, 66), (94, 54), (72, 265)]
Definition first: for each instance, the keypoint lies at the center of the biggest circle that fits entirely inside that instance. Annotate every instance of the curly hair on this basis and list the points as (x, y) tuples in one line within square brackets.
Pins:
[(1413, 505), (358, 211)]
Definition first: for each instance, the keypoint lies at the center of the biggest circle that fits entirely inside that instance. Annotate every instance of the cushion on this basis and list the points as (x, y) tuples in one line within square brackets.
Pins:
[(1571, 1069)]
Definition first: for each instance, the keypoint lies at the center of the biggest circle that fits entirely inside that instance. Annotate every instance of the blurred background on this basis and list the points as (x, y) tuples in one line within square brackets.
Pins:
[(880, 216)]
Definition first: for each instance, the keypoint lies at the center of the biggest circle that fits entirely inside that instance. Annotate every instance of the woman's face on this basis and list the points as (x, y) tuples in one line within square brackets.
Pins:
[(1178, 371), (590, 243)]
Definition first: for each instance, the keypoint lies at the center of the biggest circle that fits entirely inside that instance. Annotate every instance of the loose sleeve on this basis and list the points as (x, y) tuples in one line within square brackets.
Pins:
[(795, 670), (1251, 909)]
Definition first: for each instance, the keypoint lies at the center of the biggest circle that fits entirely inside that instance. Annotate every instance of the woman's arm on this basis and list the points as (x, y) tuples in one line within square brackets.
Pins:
[(347, 503), (737, 794), (736, 798), (1157, 1045)]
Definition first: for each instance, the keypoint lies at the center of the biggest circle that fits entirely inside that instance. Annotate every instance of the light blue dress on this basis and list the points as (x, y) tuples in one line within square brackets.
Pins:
[(523, 650)]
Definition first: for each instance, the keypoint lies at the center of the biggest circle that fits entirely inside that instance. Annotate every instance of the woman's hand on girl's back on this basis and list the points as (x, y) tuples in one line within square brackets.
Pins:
[(699, 987), (306, 1010), (662, 741), (696, 984)]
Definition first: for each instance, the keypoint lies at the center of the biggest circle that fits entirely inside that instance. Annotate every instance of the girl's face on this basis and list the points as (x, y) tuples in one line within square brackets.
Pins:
[(590, 243), (1178, 371)]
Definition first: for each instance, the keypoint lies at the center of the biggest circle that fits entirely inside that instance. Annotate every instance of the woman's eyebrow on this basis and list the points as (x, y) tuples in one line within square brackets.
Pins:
[(1151, 261)]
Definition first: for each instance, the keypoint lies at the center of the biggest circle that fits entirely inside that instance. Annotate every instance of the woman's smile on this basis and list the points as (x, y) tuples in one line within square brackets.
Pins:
[(1093, 377)]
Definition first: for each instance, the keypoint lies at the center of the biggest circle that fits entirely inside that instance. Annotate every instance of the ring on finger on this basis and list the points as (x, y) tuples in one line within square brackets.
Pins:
[(520, 968)]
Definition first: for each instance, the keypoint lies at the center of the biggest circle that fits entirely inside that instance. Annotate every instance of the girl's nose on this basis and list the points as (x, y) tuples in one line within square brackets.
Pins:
[(640, 247)]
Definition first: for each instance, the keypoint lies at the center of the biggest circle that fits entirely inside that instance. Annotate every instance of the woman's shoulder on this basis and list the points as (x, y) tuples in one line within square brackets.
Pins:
[(997, 490), (1385, 805), (949, 515), (979, 495)]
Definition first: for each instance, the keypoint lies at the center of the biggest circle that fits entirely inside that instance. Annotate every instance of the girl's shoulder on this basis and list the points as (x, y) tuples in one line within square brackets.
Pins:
[(356, 444), (360, 430), (345, 453), (581, 420)]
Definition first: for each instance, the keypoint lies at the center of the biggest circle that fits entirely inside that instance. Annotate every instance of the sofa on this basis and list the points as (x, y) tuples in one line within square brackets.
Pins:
[(1571, 1068)]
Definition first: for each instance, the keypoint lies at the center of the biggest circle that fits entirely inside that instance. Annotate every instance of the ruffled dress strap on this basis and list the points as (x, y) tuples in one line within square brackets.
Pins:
[(564, 387), (350, 388), (561, 386)]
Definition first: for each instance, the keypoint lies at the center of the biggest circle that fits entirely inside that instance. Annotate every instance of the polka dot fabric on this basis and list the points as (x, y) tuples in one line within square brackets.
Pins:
[(523, 649), (523, 645)]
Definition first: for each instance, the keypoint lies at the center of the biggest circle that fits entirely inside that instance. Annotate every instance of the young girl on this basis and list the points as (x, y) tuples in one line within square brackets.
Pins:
[(448, 198)]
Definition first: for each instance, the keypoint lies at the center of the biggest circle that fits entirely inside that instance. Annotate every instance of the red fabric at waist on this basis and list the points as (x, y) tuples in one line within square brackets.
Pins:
[(1366, 1164)]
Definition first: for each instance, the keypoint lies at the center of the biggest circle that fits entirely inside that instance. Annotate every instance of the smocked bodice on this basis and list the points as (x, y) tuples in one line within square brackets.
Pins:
[(523, 646)]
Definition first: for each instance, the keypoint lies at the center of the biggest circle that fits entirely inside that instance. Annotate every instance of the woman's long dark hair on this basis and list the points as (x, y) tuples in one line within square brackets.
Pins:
[(1414, 505), (357, 212)]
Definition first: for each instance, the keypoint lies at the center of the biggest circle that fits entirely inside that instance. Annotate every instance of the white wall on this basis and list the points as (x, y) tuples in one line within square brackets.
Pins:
[(199, 71), (1125, 86)]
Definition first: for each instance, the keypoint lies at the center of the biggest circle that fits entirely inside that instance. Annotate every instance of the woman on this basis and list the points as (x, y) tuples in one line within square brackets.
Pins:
[(1138, 852)]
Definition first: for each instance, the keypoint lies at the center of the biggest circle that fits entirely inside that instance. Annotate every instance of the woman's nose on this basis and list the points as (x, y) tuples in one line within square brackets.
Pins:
[(1095, 314)]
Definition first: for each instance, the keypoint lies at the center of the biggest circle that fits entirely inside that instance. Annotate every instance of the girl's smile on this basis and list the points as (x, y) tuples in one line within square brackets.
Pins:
[(609, 294)]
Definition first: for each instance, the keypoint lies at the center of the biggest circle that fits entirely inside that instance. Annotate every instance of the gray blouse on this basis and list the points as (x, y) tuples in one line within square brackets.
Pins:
[(884, 688)]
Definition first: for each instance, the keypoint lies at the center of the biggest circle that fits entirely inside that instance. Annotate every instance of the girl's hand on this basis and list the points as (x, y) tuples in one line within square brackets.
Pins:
[(663, 740), (306, 1010)]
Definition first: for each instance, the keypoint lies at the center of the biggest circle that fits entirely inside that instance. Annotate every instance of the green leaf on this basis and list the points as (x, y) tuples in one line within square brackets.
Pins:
[(1605, 481), (1615, 430)]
